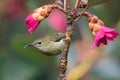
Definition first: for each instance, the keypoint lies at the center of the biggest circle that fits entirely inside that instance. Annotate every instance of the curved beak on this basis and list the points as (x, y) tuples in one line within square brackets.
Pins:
[(27, 45)]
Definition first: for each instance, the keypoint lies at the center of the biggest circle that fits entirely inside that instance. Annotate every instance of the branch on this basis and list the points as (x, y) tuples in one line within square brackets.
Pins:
[(77, 3), (56, 6), (80, 4), (81, 14), (69, 6), (76, 6), (63, 59), (65, 2)]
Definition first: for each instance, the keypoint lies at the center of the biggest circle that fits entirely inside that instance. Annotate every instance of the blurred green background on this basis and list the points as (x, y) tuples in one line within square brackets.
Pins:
[(17, 63)]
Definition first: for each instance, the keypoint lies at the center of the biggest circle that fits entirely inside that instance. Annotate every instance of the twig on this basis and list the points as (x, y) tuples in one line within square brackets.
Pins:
[(65, 2), (76, 6), (59, 7), (63, 59), (69, 6), (77, 3), (80, 14)]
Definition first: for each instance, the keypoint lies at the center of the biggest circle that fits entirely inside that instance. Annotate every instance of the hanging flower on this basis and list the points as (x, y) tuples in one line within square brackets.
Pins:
[(33, 20), (101, 32), (31, 23), (103, 35)]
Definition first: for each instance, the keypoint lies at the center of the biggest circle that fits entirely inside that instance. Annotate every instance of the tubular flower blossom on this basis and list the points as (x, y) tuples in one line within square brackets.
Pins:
[(31, 23), (101, 32), (33, 20)]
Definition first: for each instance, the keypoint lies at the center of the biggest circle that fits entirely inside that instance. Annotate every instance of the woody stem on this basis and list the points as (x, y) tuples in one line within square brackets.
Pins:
[(63, 59)]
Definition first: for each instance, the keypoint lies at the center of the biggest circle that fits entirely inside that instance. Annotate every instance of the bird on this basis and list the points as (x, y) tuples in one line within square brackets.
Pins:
[(50, 45)]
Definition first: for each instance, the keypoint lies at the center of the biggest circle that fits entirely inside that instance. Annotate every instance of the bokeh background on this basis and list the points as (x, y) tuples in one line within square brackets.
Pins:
[(17, 63)]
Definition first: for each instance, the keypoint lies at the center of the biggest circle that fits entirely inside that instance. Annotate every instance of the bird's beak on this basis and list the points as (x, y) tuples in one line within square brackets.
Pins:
[(27, 45)]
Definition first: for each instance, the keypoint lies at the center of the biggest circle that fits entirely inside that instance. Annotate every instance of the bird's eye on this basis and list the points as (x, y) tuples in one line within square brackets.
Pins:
[(39, 42)]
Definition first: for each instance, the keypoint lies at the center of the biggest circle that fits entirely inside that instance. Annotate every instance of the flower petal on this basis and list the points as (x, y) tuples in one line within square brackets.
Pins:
[(106, 29), (98, 37), (115, 34), (110, 38), (31, 23), (111, 35), (104, 40)]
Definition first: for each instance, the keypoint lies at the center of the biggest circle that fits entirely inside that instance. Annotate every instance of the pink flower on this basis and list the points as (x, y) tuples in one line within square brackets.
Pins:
[(57, 20), (31, 23), (103, 35)]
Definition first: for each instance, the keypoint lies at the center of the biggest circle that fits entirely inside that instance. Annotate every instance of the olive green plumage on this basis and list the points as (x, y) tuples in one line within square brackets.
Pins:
[(51, 44)]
